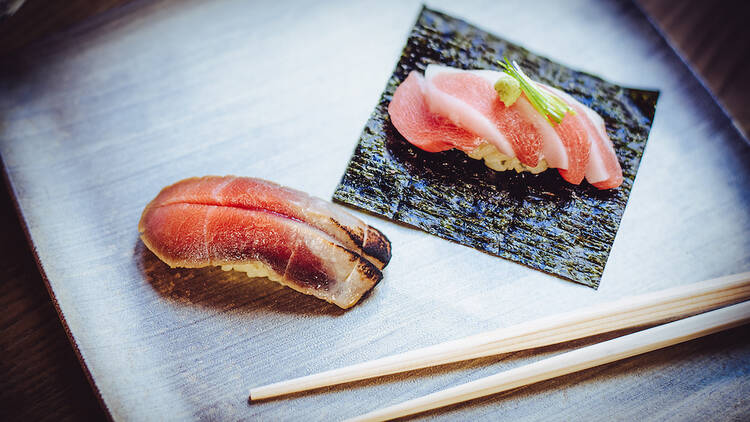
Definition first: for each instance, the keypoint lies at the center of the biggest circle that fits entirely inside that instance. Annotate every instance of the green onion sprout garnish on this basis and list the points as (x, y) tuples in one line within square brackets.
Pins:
[(546, 103)]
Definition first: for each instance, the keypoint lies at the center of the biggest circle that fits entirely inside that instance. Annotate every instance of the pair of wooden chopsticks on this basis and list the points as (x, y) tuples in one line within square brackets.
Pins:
[(629, 312)]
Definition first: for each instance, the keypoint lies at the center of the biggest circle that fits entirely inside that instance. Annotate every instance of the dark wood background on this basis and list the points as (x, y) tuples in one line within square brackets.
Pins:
[(40, 376)]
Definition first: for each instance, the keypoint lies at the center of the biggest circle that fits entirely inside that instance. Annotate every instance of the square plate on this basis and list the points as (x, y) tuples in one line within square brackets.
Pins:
[(95, 121)]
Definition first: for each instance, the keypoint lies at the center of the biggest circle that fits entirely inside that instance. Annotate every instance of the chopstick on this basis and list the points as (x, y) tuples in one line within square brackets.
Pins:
[(577, 360), (628, 312)]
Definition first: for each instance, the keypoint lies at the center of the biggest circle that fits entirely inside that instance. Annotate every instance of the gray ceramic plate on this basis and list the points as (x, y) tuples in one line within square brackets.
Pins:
[(94, 122)]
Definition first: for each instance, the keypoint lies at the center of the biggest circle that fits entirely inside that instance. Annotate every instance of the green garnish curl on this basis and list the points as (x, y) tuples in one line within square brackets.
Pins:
[(548, 104)]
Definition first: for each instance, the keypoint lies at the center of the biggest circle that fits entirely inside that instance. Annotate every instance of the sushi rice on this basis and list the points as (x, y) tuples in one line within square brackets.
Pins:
[(255, 269), (498, 161)]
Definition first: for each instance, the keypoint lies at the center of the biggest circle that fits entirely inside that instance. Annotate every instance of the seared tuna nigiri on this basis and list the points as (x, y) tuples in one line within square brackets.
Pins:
[(268, 230)]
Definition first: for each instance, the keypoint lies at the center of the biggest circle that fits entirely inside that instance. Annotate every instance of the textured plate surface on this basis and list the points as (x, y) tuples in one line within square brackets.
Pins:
[(537, 220), (94, 122)]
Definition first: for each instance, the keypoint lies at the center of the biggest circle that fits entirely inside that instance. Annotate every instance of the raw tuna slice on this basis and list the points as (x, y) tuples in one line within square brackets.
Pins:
[(266, 230), (425, 130), (470, 101), (554, 150), (577, 145), (603, 169)]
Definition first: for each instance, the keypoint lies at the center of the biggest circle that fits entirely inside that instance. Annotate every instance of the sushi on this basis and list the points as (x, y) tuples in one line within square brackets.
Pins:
[(266, 230), (471, 192), (470, 110)]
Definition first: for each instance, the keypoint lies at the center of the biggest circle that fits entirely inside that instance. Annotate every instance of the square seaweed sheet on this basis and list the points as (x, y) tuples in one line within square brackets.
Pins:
[(537, 220)]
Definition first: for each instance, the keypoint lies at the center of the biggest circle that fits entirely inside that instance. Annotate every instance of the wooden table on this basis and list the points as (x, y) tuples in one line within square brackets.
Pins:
[(40, 376)]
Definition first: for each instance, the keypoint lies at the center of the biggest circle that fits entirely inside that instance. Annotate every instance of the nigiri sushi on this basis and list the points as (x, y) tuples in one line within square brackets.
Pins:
[(266, 230), (462, 109)]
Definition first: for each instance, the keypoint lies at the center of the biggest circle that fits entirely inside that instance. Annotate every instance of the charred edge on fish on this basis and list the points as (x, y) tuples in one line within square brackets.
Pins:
[(377, 246), (354, 236)]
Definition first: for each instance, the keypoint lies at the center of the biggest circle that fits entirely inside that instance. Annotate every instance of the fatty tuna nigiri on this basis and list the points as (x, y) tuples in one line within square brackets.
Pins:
[(268, 230), (455, 108)]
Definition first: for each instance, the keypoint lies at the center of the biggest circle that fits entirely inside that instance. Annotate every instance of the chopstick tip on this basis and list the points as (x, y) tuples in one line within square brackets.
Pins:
[(257, 394)]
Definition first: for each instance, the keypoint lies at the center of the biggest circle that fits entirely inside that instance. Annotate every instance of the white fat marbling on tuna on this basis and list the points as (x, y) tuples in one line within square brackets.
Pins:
[(596, 169), (461, 113)]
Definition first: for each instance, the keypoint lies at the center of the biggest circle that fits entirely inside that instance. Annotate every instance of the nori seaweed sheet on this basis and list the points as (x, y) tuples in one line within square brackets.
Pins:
[(537, 220)]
